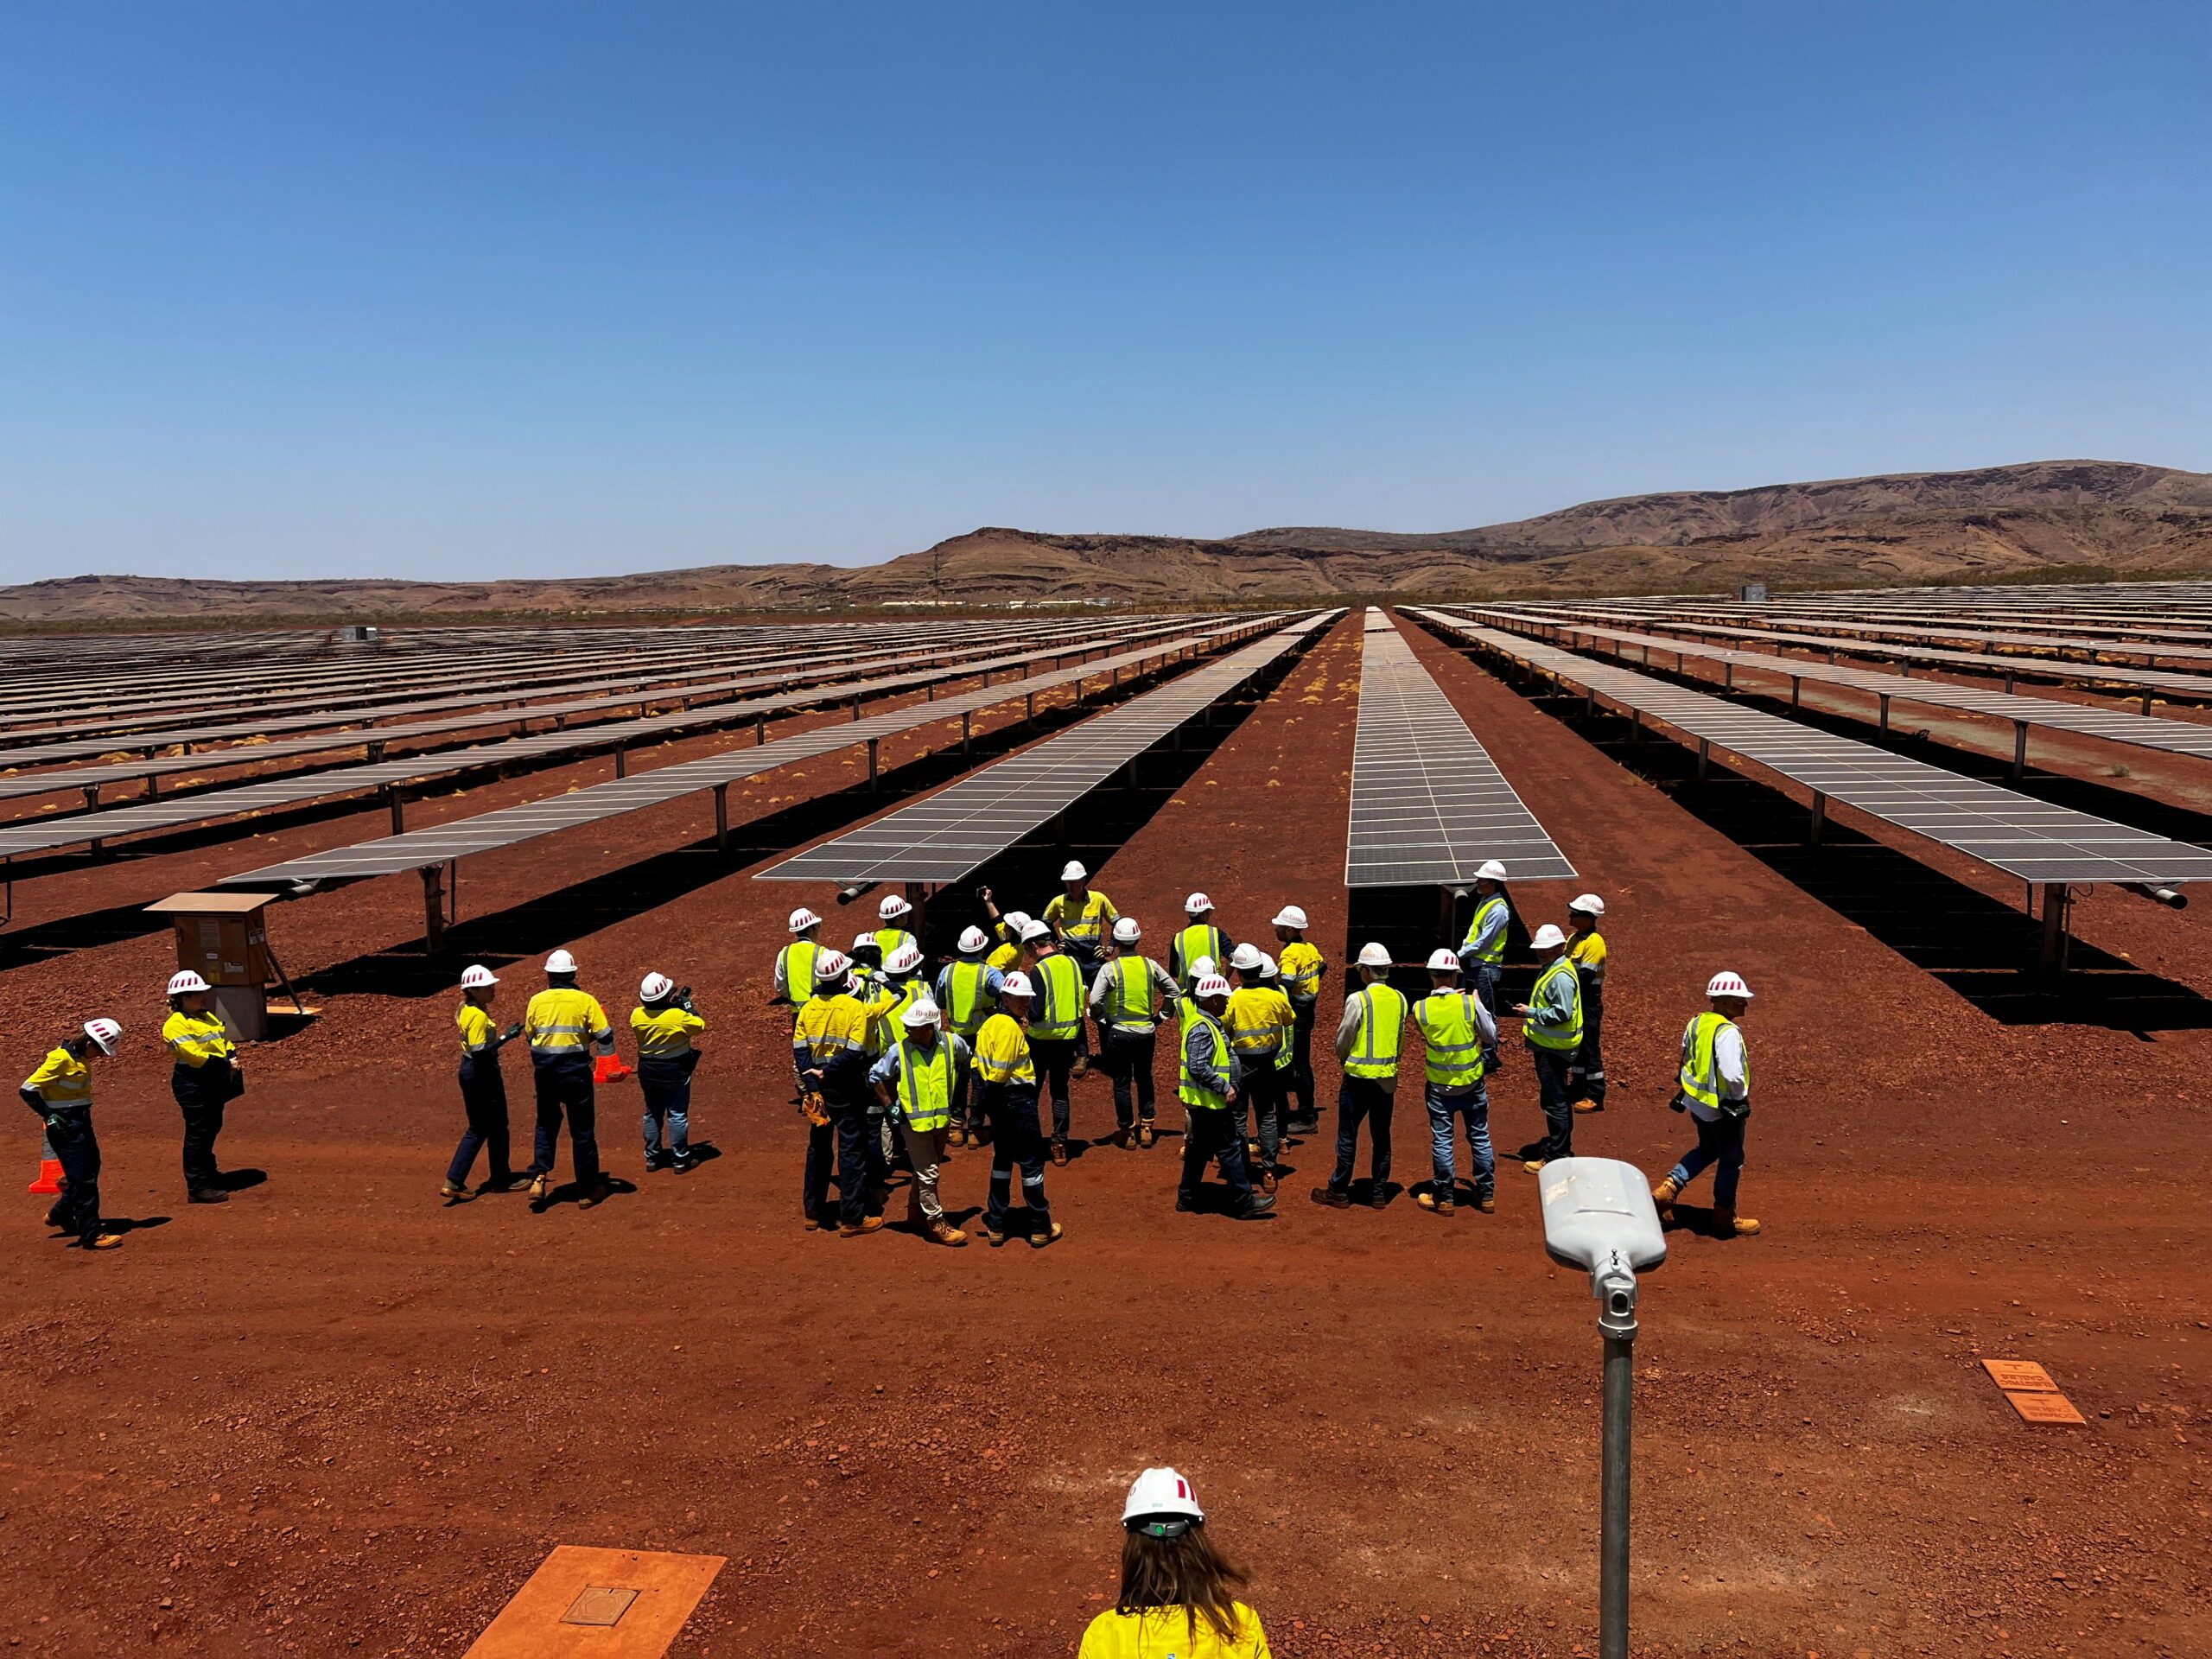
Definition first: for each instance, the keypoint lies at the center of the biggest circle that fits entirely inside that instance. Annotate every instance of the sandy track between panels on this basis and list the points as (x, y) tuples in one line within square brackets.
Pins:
[(336, 1417)]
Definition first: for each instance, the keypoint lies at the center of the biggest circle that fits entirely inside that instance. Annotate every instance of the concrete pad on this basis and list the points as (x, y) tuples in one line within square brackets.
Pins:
[(598, 1604)]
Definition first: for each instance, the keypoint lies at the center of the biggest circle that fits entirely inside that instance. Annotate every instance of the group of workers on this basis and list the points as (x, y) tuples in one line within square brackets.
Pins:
[(894, 1065)]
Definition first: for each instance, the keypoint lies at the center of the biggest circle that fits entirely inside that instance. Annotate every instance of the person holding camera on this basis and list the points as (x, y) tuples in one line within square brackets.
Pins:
[(666, 1024), (483, 1087)]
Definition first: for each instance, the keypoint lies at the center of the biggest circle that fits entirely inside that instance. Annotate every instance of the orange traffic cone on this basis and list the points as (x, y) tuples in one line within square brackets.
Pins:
[(608, 1068), (49, 1170)]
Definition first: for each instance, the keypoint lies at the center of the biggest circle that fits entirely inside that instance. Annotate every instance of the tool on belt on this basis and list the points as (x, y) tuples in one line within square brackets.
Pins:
[(814, 1106)]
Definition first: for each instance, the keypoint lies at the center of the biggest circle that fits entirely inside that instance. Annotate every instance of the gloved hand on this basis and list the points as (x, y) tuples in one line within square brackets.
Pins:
[(510, 1033)]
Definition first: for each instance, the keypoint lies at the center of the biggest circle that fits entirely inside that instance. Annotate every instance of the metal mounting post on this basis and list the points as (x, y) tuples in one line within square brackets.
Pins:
[(856, 705), (153, 786), (622, 762), (398, 810), (92, 797), (873, 761), (967, 731), (2056, 900), (2019, 748), (2146, 700), (1820, 819), (434, 909), (1704, 759), (722, 817), (1619, 1332), (759, 730), (1728, 675), (1031, 703), (1884, 698), (1797, 689)]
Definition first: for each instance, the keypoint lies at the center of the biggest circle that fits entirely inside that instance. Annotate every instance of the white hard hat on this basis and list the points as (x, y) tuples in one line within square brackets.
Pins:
[(920, 1011), (904, 959), (1490, 871), (865, 940), (893, 907), (561, 961), (1210, 985), (1164, 1498), (1374, 956), (1015, 921), (1035, 931), (1290, 916), (803, 918), (1725, 984), (1126, 930), (1073, 871), (1014, 985), (1267, 969), (1202, 967), (655, 987), (185, 980), (1246, 956), (1548, 938), (1442, 960), (829, 965), (1197, 904), (476, 977), (104, 1033), (1589, 904), (974, 939)]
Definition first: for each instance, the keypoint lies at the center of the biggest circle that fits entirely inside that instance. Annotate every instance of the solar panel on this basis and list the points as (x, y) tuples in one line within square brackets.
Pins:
[(421, 849), (292, 792), (944, 837), (1428, 806), (2143, 731), (2029, 839)]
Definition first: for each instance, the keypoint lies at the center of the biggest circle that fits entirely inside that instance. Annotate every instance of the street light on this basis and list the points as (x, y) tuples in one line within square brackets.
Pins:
[(1598, 1217)]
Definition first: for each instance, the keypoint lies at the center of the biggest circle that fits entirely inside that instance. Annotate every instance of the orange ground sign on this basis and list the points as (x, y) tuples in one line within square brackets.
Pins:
[(2030, 1392), (598, 1604), (2045, 1408)]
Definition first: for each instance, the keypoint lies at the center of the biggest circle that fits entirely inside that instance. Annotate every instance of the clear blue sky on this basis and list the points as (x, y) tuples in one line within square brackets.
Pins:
[(356, 286)]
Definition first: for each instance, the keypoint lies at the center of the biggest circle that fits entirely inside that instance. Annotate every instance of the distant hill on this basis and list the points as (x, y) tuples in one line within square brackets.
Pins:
[(2084, 518)]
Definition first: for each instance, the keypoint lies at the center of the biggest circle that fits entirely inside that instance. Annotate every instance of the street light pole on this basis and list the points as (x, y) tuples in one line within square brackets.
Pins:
[(1617, 1325)]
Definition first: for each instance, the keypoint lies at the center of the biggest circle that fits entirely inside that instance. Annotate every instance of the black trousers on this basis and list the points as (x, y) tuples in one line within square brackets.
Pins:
[(1362, 1099), (1126, 1056), (1590, 1059), (564, 1087), (484, 1098), (843, 1140), (1301, 1061), (78, 1209), (202, 1093), (1054, 1057), (1215, 1134)]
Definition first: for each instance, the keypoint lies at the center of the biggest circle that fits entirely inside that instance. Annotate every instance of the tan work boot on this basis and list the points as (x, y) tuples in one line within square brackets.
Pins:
[(1729, 1221), (854, 1229), (538, 1185), (1440, 1202), (1588, 1105), (942, 1232), (1664, 1195), (109, 1240), (453, 1190)]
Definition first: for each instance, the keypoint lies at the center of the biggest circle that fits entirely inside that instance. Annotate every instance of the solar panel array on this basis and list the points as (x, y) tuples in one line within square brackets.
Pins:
[(2027, 838), (1428, 804), (944, 837), (421, 849), (2143, 731)]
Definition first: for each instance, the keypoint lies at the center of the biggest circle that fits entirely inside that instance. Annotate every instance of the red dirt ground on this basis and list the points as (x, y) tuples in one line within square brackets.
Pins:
[(336, 1416)]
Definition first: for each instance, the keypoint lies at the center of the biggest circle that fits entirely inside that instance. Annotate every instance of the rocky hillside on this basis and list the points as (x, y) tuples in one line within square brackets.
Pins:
[(1992, 524)]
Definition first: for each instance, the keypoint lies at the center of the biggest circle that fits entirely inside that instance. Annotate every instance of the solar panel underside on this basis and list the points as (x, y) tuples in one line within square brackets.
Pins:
[(944, 836), (419, 850), (1428, 806), (2027, 838)]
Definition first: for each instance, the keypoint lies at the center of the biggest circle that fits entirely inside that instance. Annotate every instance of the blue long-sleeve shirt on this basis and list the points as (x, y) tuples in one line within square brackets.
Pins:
[(1197, 1060)]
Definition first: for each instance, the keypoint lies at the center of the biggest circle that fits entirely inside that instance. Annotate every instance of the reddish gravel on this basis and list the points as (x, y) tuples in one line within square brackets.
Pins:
[(337, 1417)]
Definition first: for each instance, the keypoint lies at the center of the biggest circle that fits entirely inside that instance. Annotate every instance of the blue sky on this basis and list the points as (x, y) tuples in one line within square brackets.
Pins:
[(388, 287)]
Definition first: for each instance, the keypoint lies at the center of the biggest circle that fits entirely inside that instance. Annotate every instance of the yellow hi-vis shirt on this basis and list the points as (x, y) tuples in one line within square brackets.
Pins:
[(665, 1034), (1257, 1020), (1006, 958), (196, 1038), (1167, 1633), (831, 1025), (62, 1081), (1083, 922), (1300, 966), (1002, 1051), (1587, 952), (562, 1020), (480, 1033)]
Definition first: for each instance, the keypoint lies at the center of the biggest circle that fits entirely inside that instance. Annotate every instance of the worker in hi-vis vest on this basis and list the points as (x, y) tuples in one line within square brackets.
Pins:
[(1131, 997), (796, 962), (1455, 1027), (1551, 1024), (1055, 1022), (1211, 1093), (916, 1078), (1368, 1041), (967, 993), (1199, 941), (1302, 966), (1586, 950), (565, 1027), (1482, 953), (1715, 1089)]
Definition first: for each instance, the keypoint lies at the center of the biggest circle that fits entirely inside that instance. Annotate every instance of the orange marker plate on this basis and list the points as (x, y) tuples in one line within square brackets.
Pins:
[(2045, 1409), (2019, 1376), (598, 1604)]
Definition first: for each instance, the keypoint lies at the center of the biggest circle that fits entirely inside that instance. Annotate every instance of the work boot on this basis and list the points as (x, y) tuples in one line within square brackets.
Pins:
[(1439, 1202), (656, 1161), (993, 1236), (507, 1183), (453, 1190), (1059, 1152), (1486, 1198), (1664, 1195), (1146, 1135), (1185, 1205), (1586, 1105), (1052, 1231), (1259, 1205), (856, 1229), (815, 1223), (1380, 1199), (109, 1240), (1729, 1221), (1330, 1197), (1267, 1180), (596, 1195), (1535, 1165), (956, 1135), (944, 1232), (538, 1183), (684, 1162), (208, 1195), (55, 1216)]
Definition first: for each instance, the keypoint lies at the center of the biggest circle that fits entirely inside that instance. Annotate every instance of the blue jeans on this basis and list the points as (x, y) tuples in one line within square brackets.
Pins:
[(1261, 1082), (69, 1132), (1358, 1098), (564, 1087), (1474, 1106), (1126, 1056), (1054, 1057), (1483, 982), (840, 1138), (484, 1098), (1721, 1141), (666, 1086), (1011, 1109), (1552, 1065)]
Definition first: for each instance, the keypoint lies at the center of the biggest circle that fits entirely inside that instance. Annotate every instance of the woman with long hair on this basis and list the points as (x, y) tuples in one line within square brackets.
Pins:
[(1177, 1598)]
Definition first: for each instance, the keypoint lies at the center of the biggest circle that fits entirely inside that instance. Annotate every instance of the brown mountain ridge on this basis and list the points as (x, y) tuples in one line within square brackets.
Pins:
[(2041, 518)]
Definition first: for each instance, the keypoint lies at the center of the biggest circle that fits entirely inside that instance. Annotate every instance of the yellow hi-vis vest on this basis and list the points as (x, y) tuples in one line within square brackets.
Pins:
[(1259, 1020), (970, 998), (1193, 1093), (925, 1084), (797, 960), (1452, 1037), (886, 1022), (1700, 1078), (1199, 939), (1057, 1013), (1494, 953), (196, 1038), (1134, 999), (1567, 1037), (888, 939), (62, 1081), (1382, 1026), (1002, 1051)]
